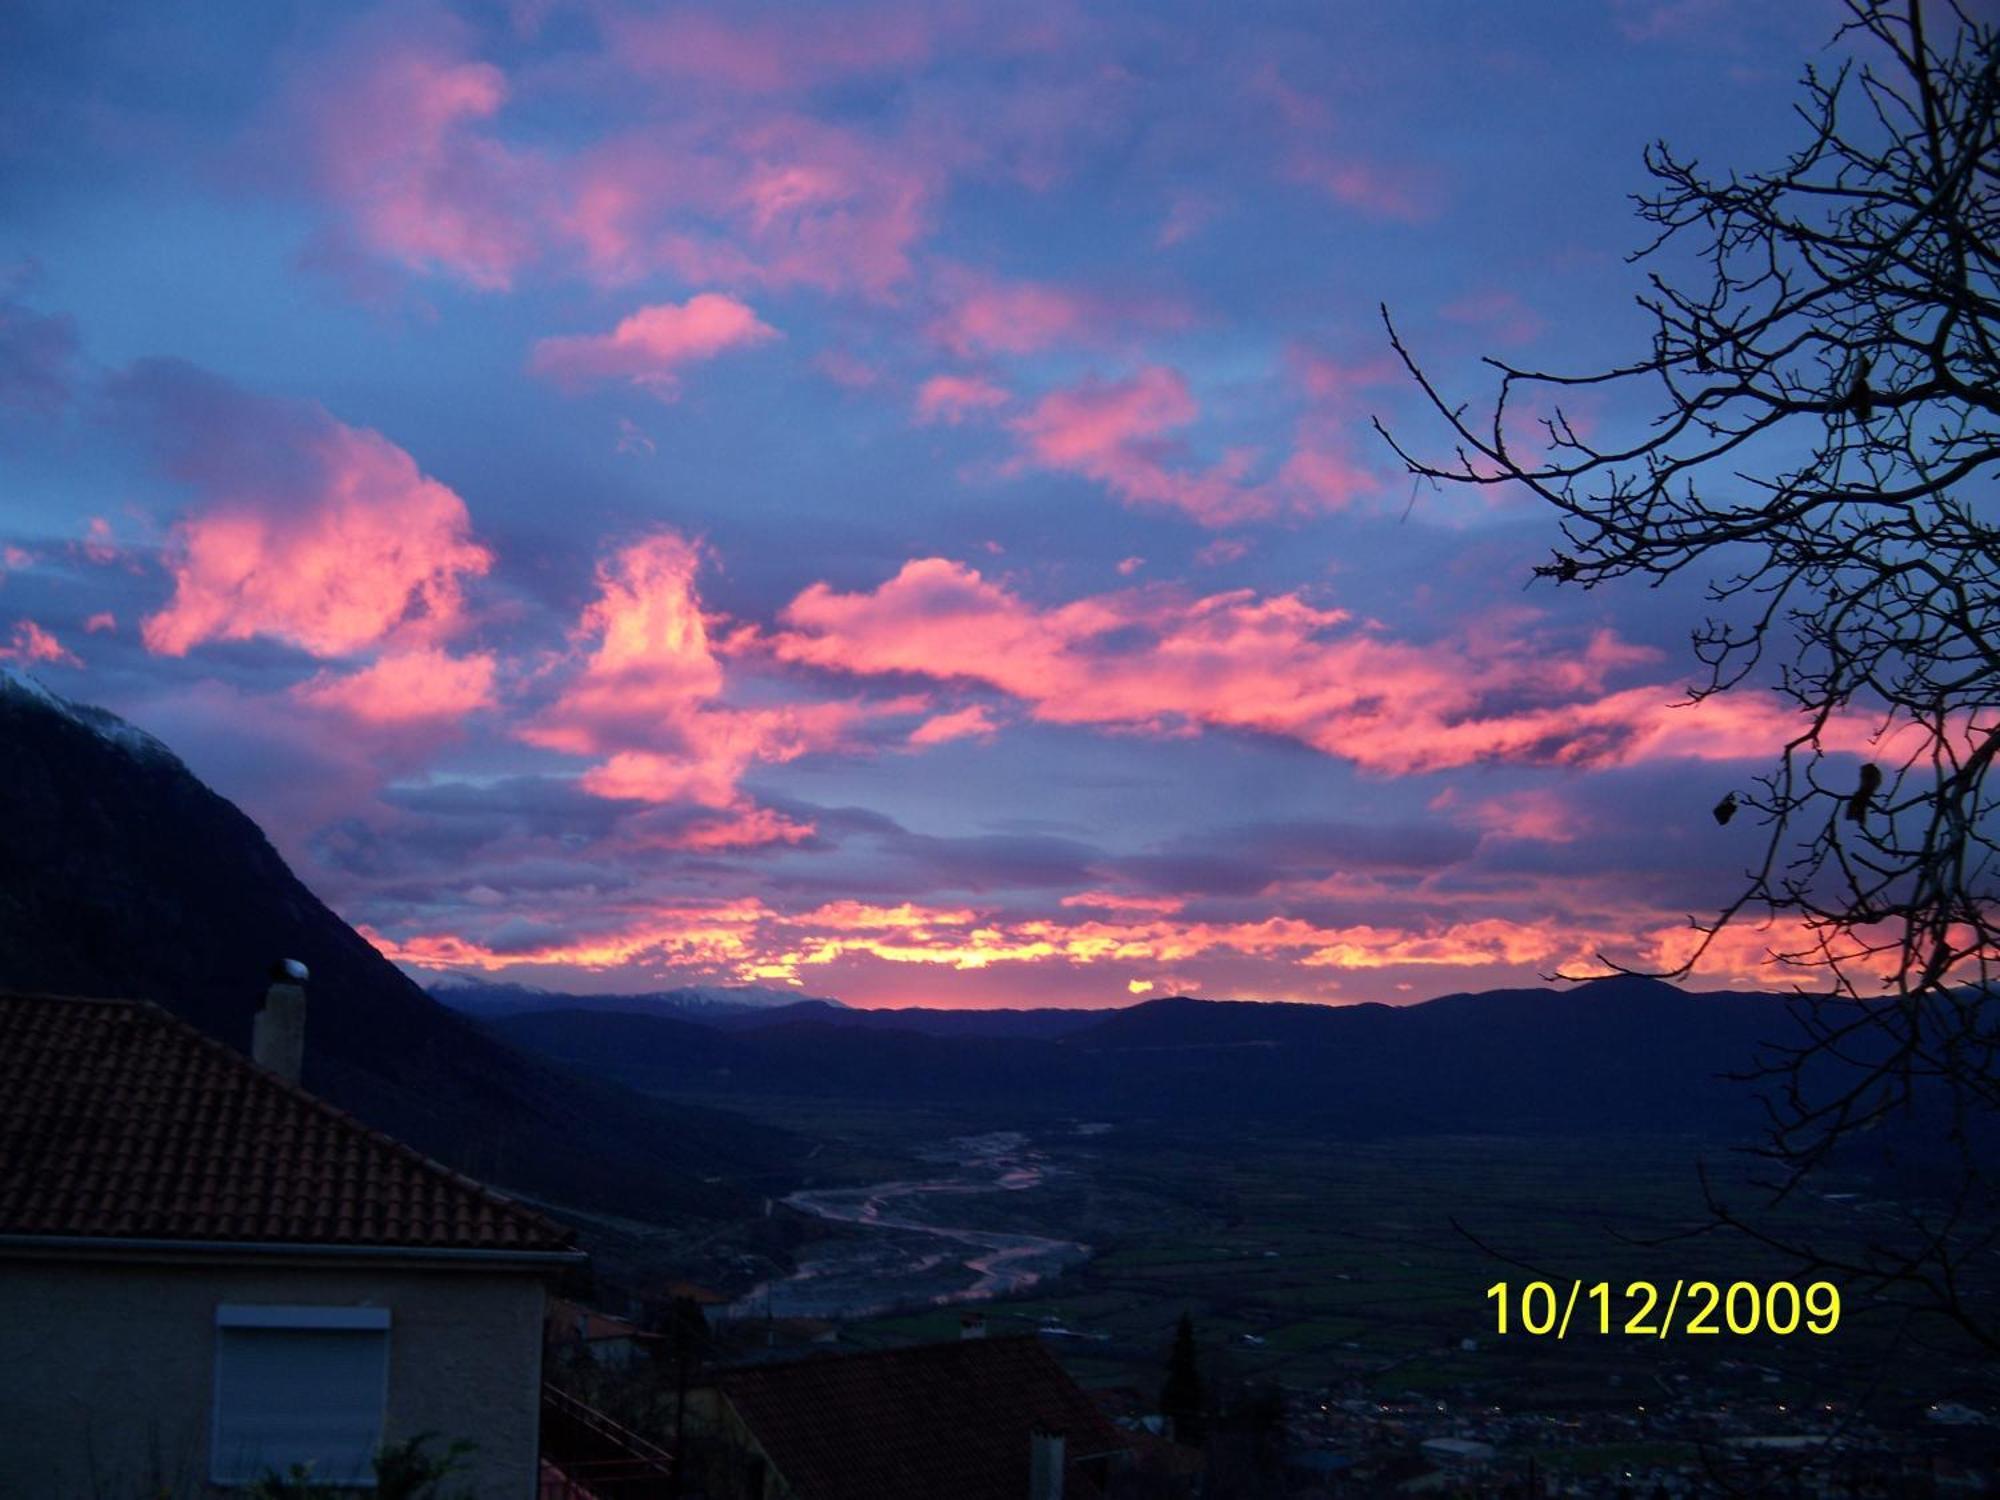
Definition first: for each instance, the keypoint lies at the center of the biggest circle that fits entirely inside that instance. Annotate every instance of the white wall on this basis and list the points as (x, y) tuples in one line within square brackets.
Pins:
[(107, 1371)]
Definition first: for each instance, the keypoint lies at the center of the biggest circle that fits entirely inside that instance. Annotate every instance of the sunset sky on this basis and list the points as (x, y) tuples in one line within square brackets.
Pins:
[(874, 498)]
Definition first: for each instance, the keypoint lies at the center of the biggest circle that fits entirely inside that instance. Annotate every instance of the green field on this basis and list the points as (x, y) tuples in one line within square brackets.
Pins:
[(1363, 1266)]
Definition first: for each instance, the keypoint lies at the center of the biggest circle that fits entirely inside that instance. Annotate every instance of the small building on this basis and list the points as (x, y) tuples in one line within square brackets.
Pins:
[(976, 1419), (208, 1274), (605, 1339)]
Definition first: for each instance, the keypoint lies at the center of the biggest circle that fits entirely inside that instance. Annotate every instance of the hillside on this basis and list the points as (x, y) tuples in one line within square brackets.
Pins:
[(1618, 1054), (121, 874)]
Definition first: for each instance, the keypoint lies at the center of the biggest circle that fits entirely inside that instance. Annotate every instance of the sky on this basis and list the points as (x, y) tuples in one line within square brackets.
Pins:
[(875, 499)]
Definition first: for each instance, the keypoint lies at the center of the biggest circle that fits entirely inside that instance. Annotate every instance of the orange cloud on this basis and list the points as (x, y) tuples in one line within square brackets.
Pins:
[(406, 687), (368, 549), (749, 940), (650, 347)]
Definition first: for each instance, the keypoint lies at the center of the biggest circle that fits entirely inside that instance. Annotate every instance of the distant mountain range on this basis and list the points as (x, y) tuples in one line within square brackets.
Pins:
[(121, 874), (751, 1007), (478, 997), (1614, 1054)]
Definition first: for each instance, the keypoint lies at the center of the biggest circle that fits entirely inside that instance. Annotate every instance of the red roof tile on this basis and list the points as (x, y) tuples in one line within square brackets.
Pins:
[(119, 1121), (917, 1424)]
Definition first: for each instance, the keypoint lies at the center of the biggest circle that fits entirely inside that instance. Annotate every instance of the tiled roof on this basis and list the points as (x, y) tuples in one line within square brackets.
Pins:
[(916, 1424), (119, 1121)]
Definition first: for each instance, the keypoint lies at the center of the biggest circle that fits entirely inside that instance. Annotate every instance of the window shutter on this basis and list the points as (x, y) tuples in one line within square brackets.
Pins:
[(299, 1386)]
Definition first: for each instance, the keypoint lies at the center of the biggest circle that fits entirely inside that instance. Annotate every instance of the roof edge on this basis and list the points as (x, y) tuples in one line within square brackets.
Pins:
[(111, 1246)]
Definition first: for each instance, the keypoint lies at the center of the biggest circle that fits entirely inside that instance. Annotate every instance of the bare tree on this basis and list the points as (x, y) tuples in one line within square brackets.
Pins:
[(1824, 446)]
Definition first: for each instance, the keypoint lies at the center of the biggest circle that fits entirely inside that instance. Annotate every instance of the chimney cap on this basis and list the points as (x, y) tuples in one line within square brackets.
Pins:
[(290, 970)]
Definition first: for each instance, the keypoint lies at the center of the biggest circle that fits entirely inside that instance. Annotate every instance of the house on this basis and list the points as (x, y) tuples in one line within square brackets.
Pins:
[(975, 1419), (208, 1274), (607, 1340)]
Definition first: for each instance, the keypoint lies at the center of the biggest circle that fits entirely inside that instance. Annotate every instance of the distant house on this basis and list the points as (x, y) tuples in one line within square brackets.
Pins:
[(978, 1419), (607, 1340), (207, 1273)]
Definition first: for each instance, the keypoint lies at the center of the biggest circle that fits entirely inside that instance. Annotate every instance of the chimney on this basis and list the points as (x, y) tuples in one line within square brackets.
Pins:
[(278, 1035), (1045, 1466), (972, 1325)]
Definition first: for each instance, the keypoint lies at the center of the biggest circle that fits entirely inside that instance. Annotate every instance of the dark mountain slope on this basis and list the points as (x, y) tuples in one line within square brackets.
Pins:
[(1044, 1023), (122, 875), (1614, 1055), (718, 1004), (803, 1059)]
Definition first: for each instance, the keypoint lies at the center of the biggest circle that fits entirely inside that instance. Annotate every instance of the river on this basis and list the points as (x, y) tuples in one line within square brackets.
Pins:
[(909, 1254)]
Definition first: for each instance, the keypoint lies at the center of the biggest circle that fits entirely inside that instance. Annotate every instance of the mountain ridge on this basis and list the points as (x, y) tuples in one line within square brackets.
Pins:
[(123, 875)]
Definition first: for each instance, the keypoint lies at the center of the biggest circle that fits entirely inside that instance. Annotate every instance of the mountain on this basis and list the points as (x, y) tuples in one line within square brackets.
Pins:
[(121, 874), (474, 997), (1045, 1024), (801, 1059), (1614, 1054)]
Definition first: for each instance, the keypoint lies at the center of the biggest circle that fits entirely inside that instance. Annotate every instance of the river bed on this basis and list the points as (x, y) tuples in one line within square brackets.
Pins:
[(910, 1254)]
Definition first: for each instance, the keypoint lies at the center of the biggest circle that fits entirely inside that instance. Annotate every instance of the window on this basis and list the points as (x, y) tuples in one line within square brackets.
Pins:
[(299, 1385)]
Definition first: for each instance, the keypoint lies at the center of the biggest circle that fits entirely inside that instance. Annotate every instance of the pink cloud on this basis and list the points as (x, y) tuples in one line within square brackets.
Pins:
[(395, 123), (1117, 434), (986, 315), (651, 658), (973, 722), (1536, 816), (1323, 473), (776, 200), (406, 687), (774, 55), (1187, 215), (1315, 152), (1338, 380), (404, 132), (102, 620), (1158, 661), (354, 546), (31, 643), (1224, 549), (736, 827), (983, 314), (650, 347), (848, 371), (647, 698), (1500, 313), (99, 546), (952, 398), (1125, 901), (38, 358)]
